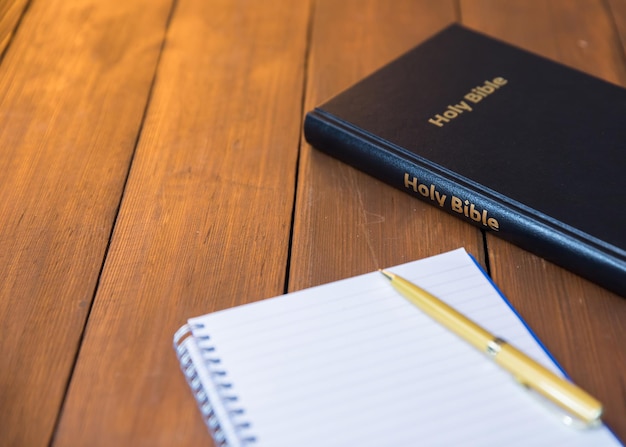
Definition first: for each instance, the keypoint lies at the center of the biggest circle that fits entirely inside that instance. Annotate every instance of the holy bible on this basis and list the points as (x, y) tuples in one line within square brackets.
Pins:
[(511, 142)]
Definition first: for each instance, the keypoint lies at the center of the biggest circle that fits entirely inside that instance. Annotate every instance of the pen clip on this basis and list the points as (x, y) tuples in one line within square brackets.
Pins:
[(566, 418)]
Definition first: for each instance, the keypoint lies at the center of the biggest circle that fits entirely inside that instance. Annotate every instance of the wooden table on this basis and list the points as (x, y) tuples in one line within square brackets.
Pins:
[(153, 169)]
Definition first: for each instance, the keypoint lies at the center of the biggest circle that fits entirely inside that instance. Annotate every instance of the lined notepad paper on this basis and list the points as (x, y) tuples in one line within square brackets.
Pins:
[(352, 363)]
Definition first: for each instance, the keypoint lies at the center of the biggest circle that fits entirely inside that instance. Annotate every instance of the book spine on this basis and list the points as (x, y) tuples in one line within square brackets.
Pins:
[(211, 391), (462, 198)]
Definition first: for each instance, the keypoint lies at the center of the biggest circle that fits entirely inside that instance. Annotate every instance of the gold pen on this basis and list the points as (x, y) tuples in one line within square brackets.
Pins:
[(558, 390)]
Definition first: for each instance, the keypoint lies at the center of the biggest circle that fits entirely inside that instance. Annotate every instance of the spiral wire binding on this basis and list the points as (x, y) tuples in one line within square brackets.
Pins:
[(218, 376)]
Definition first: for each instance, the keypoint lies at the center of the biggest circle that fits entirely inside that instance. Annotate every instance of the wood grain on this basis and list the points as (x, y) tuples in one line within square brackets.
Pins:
[(580, 34), (10, 13), (582, 324), (205, 220), (617, 10), (199, 216), (72, 95), (347, 223)]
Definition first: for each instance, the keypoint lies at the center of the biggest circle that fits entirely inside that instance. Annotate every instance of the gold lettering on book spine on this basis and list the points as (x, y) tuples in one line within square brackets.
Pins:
[(457, 205)]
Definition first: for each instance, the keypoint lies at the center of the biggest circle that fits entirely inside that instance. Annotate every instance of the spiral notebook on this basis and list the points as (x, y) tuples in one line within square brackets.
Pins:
[(351, 363)]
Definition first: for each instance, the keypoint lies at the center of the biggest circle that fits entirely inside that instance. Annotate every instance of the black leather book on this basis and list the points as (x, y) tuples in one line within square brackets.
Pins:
[(523, 147)]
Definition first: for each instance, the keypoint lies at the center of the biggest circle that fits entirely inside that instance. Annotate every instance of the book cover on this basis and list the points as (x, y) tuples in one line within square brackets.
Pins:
[(511, 142)]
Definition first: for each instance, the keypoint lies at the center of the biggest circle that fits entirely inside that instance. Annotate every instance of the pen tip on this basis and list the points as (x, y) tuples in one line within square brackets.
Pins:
[(386, 274)]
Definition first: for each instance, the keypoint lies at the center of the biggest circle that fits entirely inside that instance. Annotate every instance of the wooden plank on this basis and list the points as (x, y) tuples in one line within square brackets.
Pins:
[(582, 324), (73, 88), (346, 222), (10, 13), (205, 220), (578, 33), (617, 11)]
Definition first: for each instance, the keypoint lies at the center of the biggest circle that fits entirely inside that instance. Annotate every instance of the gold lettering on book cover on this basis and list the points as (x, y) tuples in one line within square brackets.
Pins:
[(476, 95)]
